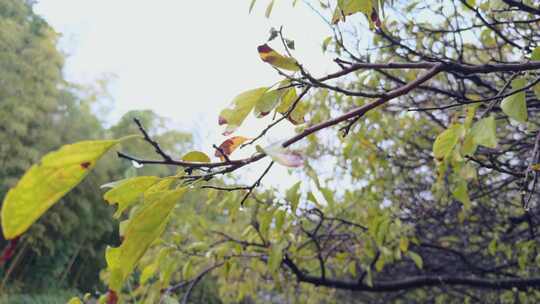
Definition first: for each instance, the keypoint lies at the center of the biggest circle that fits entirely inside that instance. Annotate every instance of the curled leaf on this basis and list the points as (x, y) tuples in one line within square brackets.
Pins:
[(272, 57), (229, 145)]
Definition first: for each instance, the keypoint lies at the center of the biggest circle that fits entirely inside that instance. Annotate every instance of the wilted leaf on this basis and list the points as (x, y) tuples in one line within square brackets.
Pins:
[(48, 181), (446, 141), (515, 106), (239, 109), (128, 192), (229, 145), (283, 156), (142, 230), (196, 157), (484, 132), (272, 57)]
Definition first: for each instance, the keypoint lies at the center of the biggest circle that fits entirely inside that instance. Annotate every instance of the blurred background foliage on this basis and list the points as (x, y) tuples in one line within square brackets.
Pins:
[(40, 111)]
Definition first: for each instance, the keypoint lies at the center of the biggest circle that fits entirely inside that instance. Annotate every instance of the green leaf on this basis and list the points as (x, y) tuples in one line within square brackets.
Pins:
[(275, 257), (268, 102), (461, 194), (416, 258), (143, 229), (300, 109), (293, 196), (326, 42), (128, 192), (404, 244), (446, 141), (515, 106), (349, 7), (48, 181), (484, 132), (379, 265), (239, 109), (535, 55), (196, 157), (279, 219)]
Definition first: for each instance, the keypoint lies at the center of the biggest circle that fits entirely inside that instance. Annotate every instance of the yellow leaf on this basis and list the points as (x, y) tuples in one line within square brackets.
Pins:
[(143, 229), (47, 182), (75, 300), (446, 141), (272, 57), (296, 117), (128, 192), (229, 145), (349, 7), (196, 156)]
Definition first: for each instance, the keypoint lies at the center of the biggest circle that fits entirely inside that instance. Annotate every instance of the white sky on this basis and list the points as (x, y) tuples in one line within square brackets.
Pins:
[(185, 60)]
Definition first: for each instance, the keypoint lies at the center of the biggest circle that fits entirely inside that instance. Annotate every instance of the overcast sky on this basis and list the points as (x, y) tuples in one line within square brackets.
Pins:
[(185, 60)]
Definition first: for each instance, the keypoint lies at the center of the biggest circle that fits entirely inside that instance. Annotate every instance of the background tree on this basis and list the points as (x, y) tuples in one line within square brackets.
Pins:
[(41, 111)]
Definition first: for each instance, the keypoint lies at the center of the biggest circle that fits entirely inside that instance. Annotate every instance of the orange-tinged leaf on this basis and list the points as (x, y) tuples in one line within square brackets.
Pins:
[(272, 57), (229, 145)]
